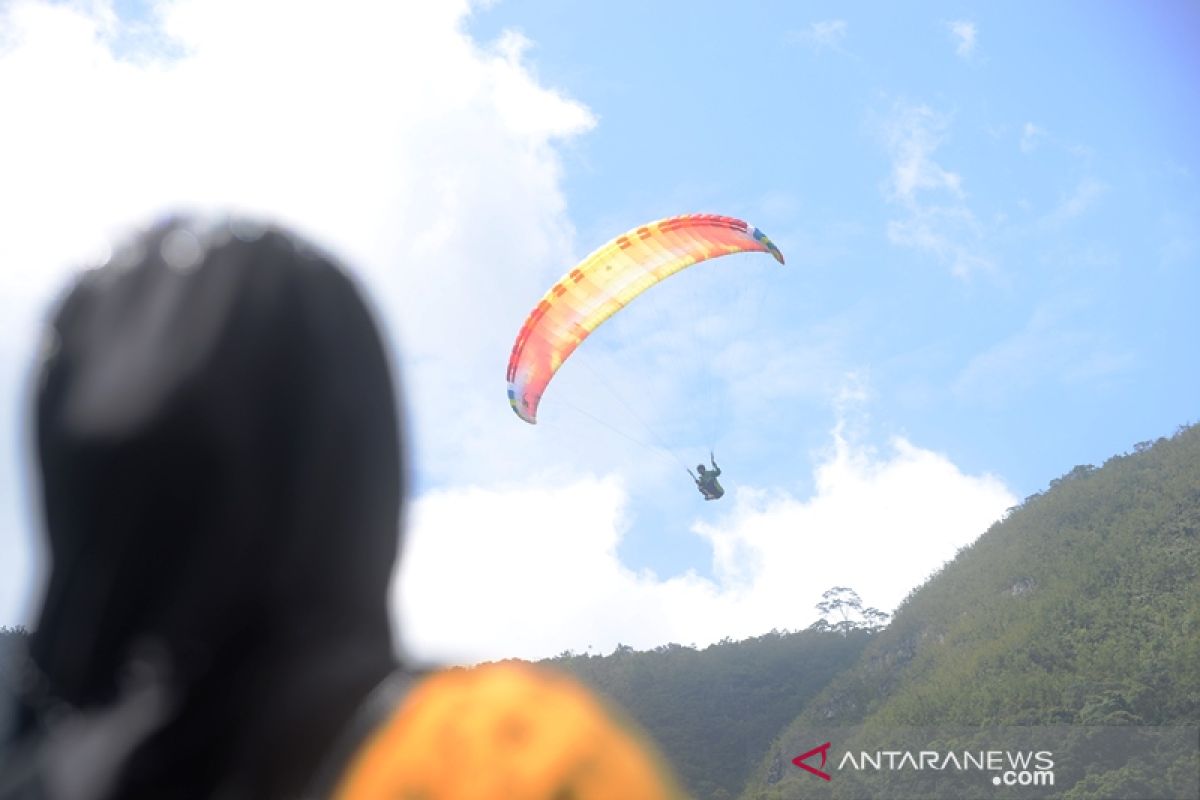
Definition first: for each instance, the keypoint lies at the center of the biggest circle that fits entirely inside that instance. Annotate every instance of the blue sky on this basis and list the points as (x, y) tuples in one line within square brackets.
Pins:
[(991, 216), (1072, 136)]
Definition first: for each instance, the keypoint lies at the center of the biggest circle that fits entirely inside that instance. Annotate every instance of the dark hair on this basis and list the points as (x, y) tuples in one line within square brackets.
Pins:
[(222, 476)]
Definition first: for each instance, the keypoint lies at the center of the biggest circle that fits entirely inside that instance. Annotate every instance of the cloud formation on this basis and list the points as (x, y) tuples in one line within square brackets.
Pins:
[(936, 217), (382, 131), (964, 34), (1051, 349), (490, 573), (1031, 137), (1075, 203), (912, 136), (824, 35)]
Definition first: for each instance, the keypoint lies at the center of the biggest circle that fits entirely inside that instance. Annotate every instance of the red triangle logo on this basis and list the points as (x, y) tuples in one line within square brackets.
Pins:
[(800, 759)]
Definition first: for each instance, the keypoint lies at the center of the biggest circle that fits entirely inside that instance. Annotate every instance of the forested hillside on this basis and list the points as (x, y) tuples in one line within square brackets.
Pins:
[(1082, 607), (715, 711)]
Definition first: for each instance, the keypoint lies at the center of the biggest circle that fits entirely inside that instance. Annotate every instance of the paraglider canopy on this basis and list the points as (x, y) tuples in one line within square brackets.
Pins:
[(608, 279)]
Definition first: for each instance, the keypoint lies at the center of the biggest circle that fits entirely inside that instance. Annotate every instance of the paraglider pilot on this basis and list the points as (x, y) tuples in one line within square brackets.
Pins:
[(707, 481)]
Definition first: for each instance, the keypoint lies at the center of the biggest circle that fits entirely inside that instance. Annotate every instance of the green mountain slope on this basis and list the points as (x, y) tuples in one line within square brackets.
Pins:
[(1082, 607), (714, 711)]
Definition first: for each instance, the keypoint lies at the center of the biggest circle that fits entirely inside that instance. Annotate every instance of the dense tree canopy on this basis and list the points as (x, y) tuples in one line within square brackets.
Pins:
[(714, 711), (1081, 607)]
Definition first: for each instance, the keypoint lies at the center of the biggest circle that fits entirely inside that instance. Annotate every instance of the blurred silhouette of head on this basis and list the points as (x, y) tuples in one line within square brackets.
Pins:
[(222, 479)]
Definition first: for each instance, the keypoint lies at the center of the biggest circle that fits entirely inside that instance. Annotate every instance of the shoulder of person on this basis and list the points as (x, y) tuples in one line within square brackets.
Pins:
[(501, 730)]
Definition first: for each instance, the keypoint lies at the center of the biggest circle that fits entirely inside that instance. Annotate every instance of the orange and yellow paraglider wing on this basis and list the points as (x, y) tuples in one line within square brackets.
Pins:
[(608, 279)]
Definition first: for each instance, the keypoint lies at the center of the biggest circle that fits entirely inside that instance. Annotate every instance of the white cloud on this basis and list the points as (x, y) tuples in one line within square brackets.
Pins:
[(913, 135), (1076, 203), (964, 34), (1048, 349), (1031, 137), (490, 573), (937, 218), (947, 233), (380, 130), (823, 35)]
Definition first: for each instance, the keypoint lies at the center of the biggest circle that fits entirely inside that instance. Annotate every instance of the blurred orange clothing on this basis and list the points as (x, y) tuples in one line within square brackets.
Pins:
[(506, 731)]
